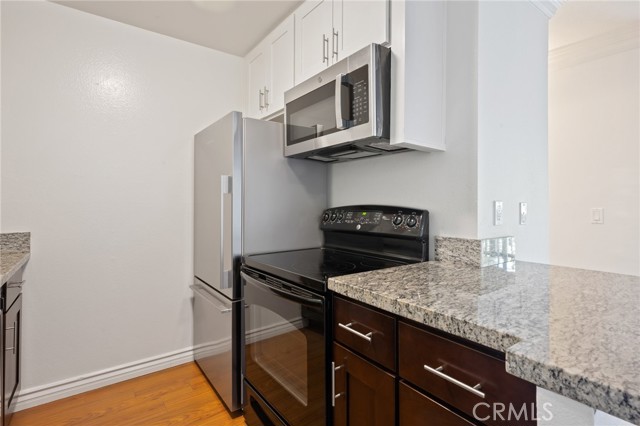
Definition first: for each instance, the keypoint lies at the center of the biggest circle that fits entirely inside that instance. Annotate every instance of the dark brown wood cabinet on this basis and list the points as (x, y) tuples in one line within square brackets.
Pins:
[(440, 380), (10, 344), (364, 394), (366, 331), (468, 379), (415, 408)]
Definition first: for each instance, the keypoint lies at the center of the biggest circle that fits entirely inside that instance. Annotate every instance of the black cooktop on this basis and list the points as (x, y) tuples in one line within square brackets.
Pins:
[(312, 267)]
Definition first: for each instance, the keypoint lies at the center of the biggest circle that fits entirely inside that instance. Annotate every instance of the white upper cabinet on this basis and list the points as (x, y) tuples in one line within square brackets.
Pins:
[(313, 37), (256, 64), (359, 23), (270, 71), (281, 70), (330, 30), (418, 74)]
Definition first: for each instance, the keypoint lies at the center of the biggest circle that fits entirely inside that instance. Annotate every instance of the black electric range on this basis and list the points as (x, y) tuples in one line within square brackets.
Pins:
[(311, 268), (288, 307)]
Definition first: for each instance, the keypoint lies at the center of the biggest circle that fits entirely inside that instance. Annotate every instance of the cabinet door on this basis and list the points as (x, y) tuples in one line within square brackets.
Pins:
[(257, 62), (364, 394), (281, 65), (313, 37), (418, 409), (12, 344), (358, 24)]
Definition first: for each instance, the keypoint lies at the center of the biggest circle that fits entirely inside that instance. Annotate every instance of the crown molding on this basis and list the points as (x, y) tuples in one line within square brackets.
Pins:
[(547, 7), (620, 40)]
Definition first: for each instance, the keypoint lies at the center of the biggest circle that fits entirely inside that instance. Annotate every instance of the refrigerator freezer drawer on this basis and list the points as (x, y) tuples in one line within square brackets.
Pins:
[(217, 342)]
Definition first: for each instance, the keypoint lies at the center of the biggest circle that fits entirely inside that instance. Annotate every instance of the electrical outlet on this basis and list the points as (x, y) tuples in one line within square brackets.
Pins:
[(597, 216), (523, 213), (498, 213)]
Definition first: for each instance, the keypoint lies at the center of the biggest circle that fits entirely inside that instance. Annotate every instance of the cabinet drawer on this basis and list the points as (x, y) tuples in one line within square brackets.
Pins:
[(465, 378), (366, 331), (418, 409)]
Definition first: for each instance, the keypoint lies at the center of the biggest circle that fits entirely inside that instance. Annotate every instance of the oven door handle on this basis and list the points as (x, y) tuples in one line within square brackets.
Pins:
[(284, 293)]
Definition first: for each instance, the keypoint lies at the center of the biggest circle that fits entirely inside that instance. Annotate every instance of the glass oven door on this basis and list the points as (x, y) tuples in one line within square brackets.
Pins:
[(285, 348)]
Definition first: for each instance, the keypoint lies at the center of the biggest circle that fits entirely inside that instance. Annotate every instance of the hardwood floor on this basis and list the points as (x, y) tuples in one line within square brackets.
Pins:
[(178, 396)]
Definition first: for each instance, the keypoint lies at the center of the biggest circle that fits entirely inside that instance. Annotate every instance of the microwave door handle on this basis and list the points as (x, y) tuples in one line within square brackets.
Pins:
[(341, 123)]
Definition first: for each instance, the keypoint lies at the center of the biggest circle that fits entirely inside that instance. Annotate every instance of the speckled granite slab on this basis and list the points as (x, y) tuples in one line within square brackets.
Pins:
[(15, 251), (475, 252), (572, 331)]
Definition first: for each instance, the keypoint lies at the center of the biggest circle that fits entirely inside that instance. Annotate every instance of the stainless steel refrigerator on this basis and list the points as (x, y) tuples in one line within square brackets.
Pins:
[(248, 198)]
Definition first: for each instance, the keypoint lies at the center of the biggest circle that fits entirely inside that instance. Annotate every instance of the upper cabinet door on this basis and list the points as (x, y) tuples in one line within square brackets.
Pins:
[(313, 37), (256, 63), (281, 71), (357, 24)]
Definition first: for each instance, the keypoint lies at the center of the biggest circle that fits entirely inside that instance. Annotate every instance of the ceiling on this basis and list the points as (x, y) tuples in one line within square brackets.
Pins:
[(578, 20), (235, 26), (232, 26)]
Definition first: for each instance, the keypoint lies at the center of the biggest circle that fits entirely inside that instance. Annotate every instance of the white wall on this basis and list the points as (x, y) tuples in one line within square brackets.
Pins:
[(594, 156), (512, 124), (99, 119), (444, 183), (495, 134)]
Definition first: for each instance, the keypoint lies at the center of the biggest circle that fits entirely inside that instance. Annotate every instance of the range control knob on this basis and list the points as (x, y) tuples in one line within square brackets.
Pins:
[(325, 217), (412, 221), (334, 215), (340, 216), (397, 220)]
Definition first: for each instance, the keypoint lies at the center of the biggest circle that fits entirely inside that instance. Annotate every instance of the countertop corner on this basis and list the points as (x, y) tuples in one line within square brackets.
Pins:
[(572, 331)]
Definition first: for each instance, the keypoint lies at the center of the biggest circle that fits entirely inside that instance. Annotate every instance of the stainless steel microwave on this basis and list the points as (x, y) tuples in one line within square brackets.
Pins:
[(342, 113)]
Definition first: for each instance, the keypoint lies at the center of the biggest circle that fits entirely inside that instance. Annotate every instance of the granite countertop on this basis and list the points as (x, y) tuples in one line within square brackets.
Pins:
[(572, 331), (15, 250)]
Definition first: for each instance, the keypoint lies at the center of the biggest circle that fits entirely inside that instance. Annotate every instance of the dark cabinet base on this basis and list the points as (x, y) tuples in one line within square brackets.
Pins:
[(415, 408), (365, 394)]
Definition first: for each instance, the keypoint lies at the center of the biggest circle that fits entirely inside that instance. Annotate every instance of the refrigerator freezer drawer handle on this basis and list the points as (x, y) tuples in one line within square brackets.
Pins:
[(210, 298), (226, 278)]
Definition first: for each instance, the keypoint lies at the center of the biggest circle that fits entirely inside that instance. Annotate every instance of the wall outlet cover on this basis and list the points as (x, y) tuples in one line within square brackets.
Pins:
[(523, 213)]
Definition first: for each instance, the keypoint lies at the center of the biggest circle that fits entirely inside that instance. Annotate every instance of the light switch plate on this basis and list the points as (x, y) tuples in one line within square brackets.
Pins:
[(498, 213)]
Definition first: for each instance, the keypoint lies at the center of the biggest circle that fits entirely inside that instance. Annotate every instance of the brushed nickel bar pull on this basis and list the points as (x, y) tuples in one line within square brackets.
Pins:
[(266, 97), (347, 327), (16, 284), (438, 372), (13, 348), (333, 383), (325, 49), (334, 44)]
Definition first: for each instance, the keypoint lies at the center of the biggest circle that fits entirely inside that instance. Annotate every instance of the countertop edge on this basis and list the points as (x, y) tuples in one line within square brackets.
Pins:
[(15, 267), (574, 386), (594, 393)]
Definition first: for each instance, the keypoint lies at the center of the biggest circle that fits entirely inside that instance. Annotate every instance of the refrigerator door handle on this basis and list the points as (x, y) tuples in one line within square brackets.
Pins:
[(226, 278)]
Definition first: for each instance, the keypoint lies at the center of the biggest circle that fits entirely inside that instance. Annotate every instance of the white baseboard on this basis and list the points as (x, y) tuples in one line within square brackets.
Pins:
[(42, 394), (38, 395)]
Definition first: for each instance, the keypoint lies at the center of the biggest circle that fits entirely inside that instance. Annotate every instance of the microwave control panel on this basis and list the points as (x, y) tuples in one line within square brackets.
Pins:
[(360, 104)]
